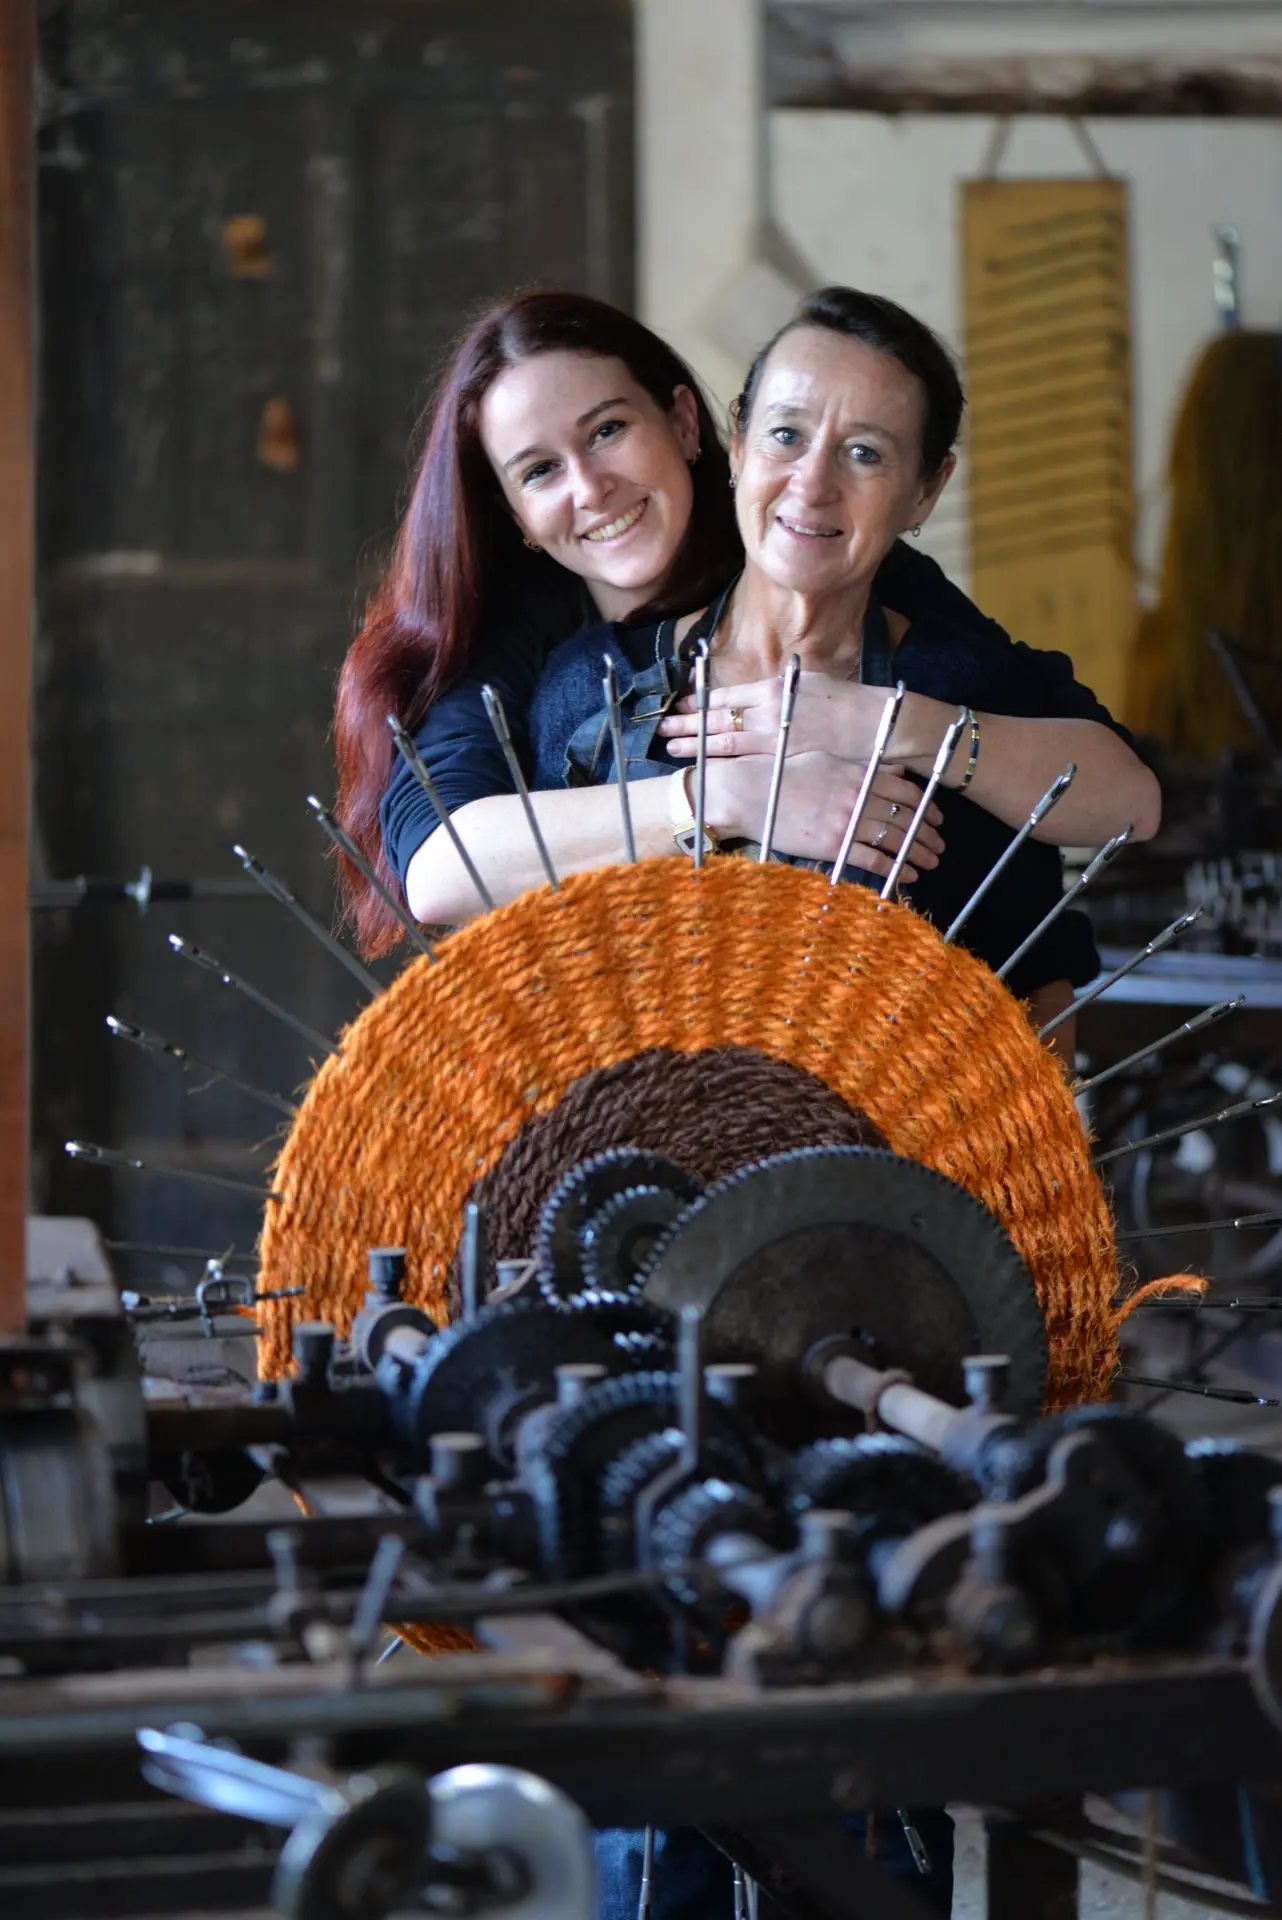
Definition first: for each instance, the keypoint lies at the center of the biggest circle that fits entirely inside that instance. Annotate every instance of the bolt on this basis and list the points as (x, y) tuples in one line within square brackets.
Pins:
[(574, 1379), (729, 1381), (988, 1547), (313, 1348), (987, 1376), (458, 1461), (386, 1272), (823, 1530)]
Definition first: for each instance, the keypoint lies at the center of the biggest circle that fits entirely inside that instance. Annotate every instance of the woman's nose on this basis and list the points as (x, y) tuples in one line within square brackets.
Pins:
[(591, 485), (814, 477)]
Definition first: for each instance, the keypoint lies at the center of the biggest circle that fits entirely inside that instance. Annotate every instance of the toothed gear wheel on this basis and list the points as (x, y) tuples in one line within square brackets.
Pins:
[(477, 1375), (646, 1335), (852, 1241), (620, 1237), (683, 1528), (889, 1484), (724, 1451), (580, 1195), (588, 1439)]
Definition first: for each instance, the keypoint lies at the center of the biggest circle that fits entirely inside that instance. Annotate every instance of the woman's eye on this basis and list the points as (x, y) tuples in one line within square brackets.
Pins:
[(864, 456), (608, 429), (785, 436), (539, 471)]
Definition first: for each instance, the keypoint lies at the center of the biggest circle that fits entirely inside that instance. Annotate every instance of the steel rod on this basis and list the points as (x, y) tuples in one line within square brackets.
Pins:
[(109, 1157), (1158, 944), (1106, 853), (199, 958), (155, 1043), (1202, 1226), (410, 755), (175, 1253), (881, 740), (947, 748), (690, 1385), (277, 890), (1051, 798), (610, 688), (787, 707), (343, 840), (1238, 1396), (1195, 1025), (700, 753), (1168, 1134), (502, 733), (473, 1259)]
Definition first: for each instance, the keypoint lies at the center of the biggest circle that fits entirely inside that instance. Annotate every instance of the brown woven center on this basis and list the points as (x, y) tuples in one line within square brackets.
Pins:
[(711, 1112)]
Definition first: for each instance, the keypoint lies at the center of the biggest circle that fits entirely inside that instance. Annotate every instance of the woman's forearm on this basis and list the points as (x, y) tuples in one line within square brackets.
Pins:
[(1019, 759), (582, 827)]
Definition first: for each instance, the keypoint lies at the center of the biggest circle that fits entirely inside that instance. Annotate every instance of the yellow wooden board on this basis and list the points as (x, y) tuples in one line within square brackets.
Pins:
[(1048, 377)]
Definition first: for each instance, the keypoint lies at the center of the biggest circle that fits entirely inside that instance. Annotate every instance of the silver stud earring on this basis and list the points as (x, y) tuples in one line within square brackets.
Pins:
[(533, 545), (693, 461), (734, 479), (917, 531)]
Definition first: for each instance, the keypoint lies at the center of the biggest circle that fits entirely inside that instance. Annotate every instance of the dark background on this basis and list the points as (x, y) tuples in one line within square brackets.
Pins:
[(407, 158)]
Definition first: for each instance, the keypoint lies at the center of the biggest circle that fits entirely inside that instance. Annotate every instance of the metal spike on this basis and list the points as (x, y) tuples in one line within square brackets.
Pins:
[(156, 1043), (1234, 1112), (473, 1259), (379, 1580), (502, 733), (1203, 1226), (176, 1253), (108, 1157), (410, 755), (1051, 798), (881, 740), (690, 1385), (1194, 1025), (1158, 944), (701, 749), (344, 840), (1096, 867), (947, 748), (1239, 1396), (787, 707), (614, 715), (645, 1896), (199, 958), (278, 891)]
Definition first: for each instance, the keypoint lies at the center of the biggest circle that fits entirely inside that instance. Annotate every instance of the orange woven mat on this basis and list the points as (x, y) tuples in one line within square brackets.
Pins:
[(439, 1074)]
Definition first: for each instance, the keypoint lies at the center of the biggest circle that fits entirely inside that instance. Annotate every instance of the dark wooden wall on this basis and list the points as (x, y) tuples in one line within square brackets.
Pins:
[(224, 419)]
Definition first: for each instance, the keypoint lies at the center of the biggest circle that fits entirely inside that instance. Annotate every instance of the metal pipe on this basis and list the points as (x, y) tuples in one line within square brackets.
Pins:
[(947, 748), (1158, 944), (410, 755), (701, 750), (610, 688), (690, 1385), (1051, 798), (156, 1043), (199, 958), (1168, 1134), (895, 1403), (787, 707), (108, 1157), (881, 739), (343, 840), (1194, 1025), (1097, 865), (502, 733), (278, 891)]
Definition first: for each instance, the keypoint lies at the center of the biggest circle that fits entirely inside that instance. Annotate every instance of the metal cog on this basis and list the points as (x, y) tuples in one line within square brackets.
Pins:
[(620, 1236), (684, 1526), (854, 1241), (645, 1334), (723, 1451), (568, 1209), (890, 1485)]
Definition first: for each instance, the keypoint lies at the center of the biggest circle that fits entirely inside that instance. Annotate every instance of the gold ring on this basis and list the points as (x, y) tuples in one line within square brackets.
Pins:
[(885, 829), (736, 719)]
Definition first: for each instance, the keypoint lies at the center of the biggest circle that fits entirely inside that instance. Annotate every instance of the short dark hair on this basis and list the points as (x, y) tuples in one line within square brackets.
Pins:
[(891, 329)]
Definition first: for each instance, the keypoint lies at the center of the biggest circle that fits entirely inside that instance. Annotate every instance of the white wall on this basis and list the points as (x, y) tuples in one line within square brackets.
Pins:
[(872, 201)]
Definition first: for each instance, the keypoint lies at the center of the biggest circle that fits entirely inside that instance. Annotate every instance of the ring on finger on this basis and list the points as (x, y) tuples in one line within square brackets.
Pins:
[(895, 808), (736, 719), (885, 829)]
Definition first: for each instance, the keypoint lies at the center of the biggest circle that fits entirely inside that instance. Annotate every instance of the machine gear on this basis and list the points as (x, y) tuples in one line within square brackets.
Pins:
[(571, 1207)]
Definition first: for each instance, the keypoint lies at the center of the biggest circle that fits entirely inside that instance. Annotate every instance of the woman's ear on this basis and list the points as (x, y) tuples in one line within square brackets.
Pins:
[(930, 491), (684, 417)]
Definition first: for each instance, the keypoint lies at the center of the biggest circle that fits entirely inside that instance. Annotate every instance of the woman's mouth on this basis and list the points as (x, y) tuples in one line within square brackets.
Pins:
[(805, 531), (616, 529)]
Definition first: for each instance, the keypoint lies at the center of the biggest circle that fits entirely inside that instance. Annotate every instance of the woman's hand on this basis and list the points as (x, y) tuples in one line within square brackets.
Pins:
[(815, 803), (831, 716)]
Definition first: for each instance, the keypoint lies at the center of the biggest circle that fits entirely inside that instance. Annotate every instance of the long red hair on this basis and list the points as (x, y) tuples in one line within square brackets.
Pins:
[(458, 558)]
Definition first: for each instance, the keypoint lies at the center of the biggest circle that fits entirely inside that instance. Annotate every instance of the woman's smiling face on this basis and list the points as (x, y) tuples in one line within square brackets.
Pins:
[(829, 461), (595, 472)]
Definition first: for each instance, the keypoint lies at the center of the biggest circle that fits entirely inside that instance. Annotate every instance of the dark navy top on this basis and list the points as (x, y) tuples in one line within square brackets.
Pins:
[(951, 652)]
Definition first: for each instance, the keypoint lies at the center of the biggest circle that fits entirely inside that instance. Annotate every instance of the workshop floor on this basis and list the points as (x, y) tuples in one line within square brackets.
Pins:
[(1103, 1896)]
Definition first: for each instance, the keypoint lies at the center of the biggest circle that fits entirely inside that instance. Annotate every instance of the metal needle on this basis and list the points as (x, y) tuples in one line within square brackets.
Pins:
[(175, 1253), (410, 755), (787, 707), (277, 890), (473, 1259), (343, 840), (199, 958), (1051, 798), (947, 748), (1168, 1134), (881, 740), (108, 1157), (647, 1875), (610, 687), (701, 750), (1097, 865), (1158, 944), (168, 1050), (1194, 1025), (1207, 1226), (502, 733)]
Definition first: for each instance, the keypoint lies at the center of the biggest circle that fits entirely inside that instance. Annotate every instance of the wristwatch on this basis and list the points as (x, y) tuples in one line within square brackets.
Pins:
[(682, 815)]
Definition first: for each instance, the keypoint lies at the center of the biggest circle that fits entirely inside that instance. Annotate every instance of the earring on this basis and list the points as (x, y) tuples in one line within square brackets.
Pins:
[(693, 461), (916, 532), (734, 479), (533, 545)]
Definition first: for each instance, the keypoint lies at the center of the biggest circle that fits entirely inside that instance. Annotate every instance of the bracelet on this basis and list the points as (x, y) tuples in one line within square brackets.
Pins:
[(973, 762)]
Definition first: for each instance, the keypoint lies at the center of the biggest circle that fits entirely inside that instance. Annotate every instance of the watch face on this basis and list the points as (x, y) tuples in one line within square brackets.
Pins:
[(684, 837)]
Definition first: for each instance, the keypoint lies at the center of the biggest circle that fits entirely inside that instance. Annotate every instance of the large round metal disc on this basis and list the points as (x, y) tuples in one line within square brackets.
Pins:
[(856, 1242)]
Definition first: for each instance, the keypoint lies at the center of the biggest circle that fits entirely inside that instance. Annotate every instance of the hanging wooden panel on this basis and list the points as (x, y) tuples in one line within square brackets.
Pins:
[(1048, 375)]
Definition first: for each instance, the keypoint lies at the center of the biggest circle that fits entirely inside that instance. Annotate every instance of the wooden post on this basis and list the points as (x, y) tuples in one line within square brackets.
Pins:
[(17, 184)]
